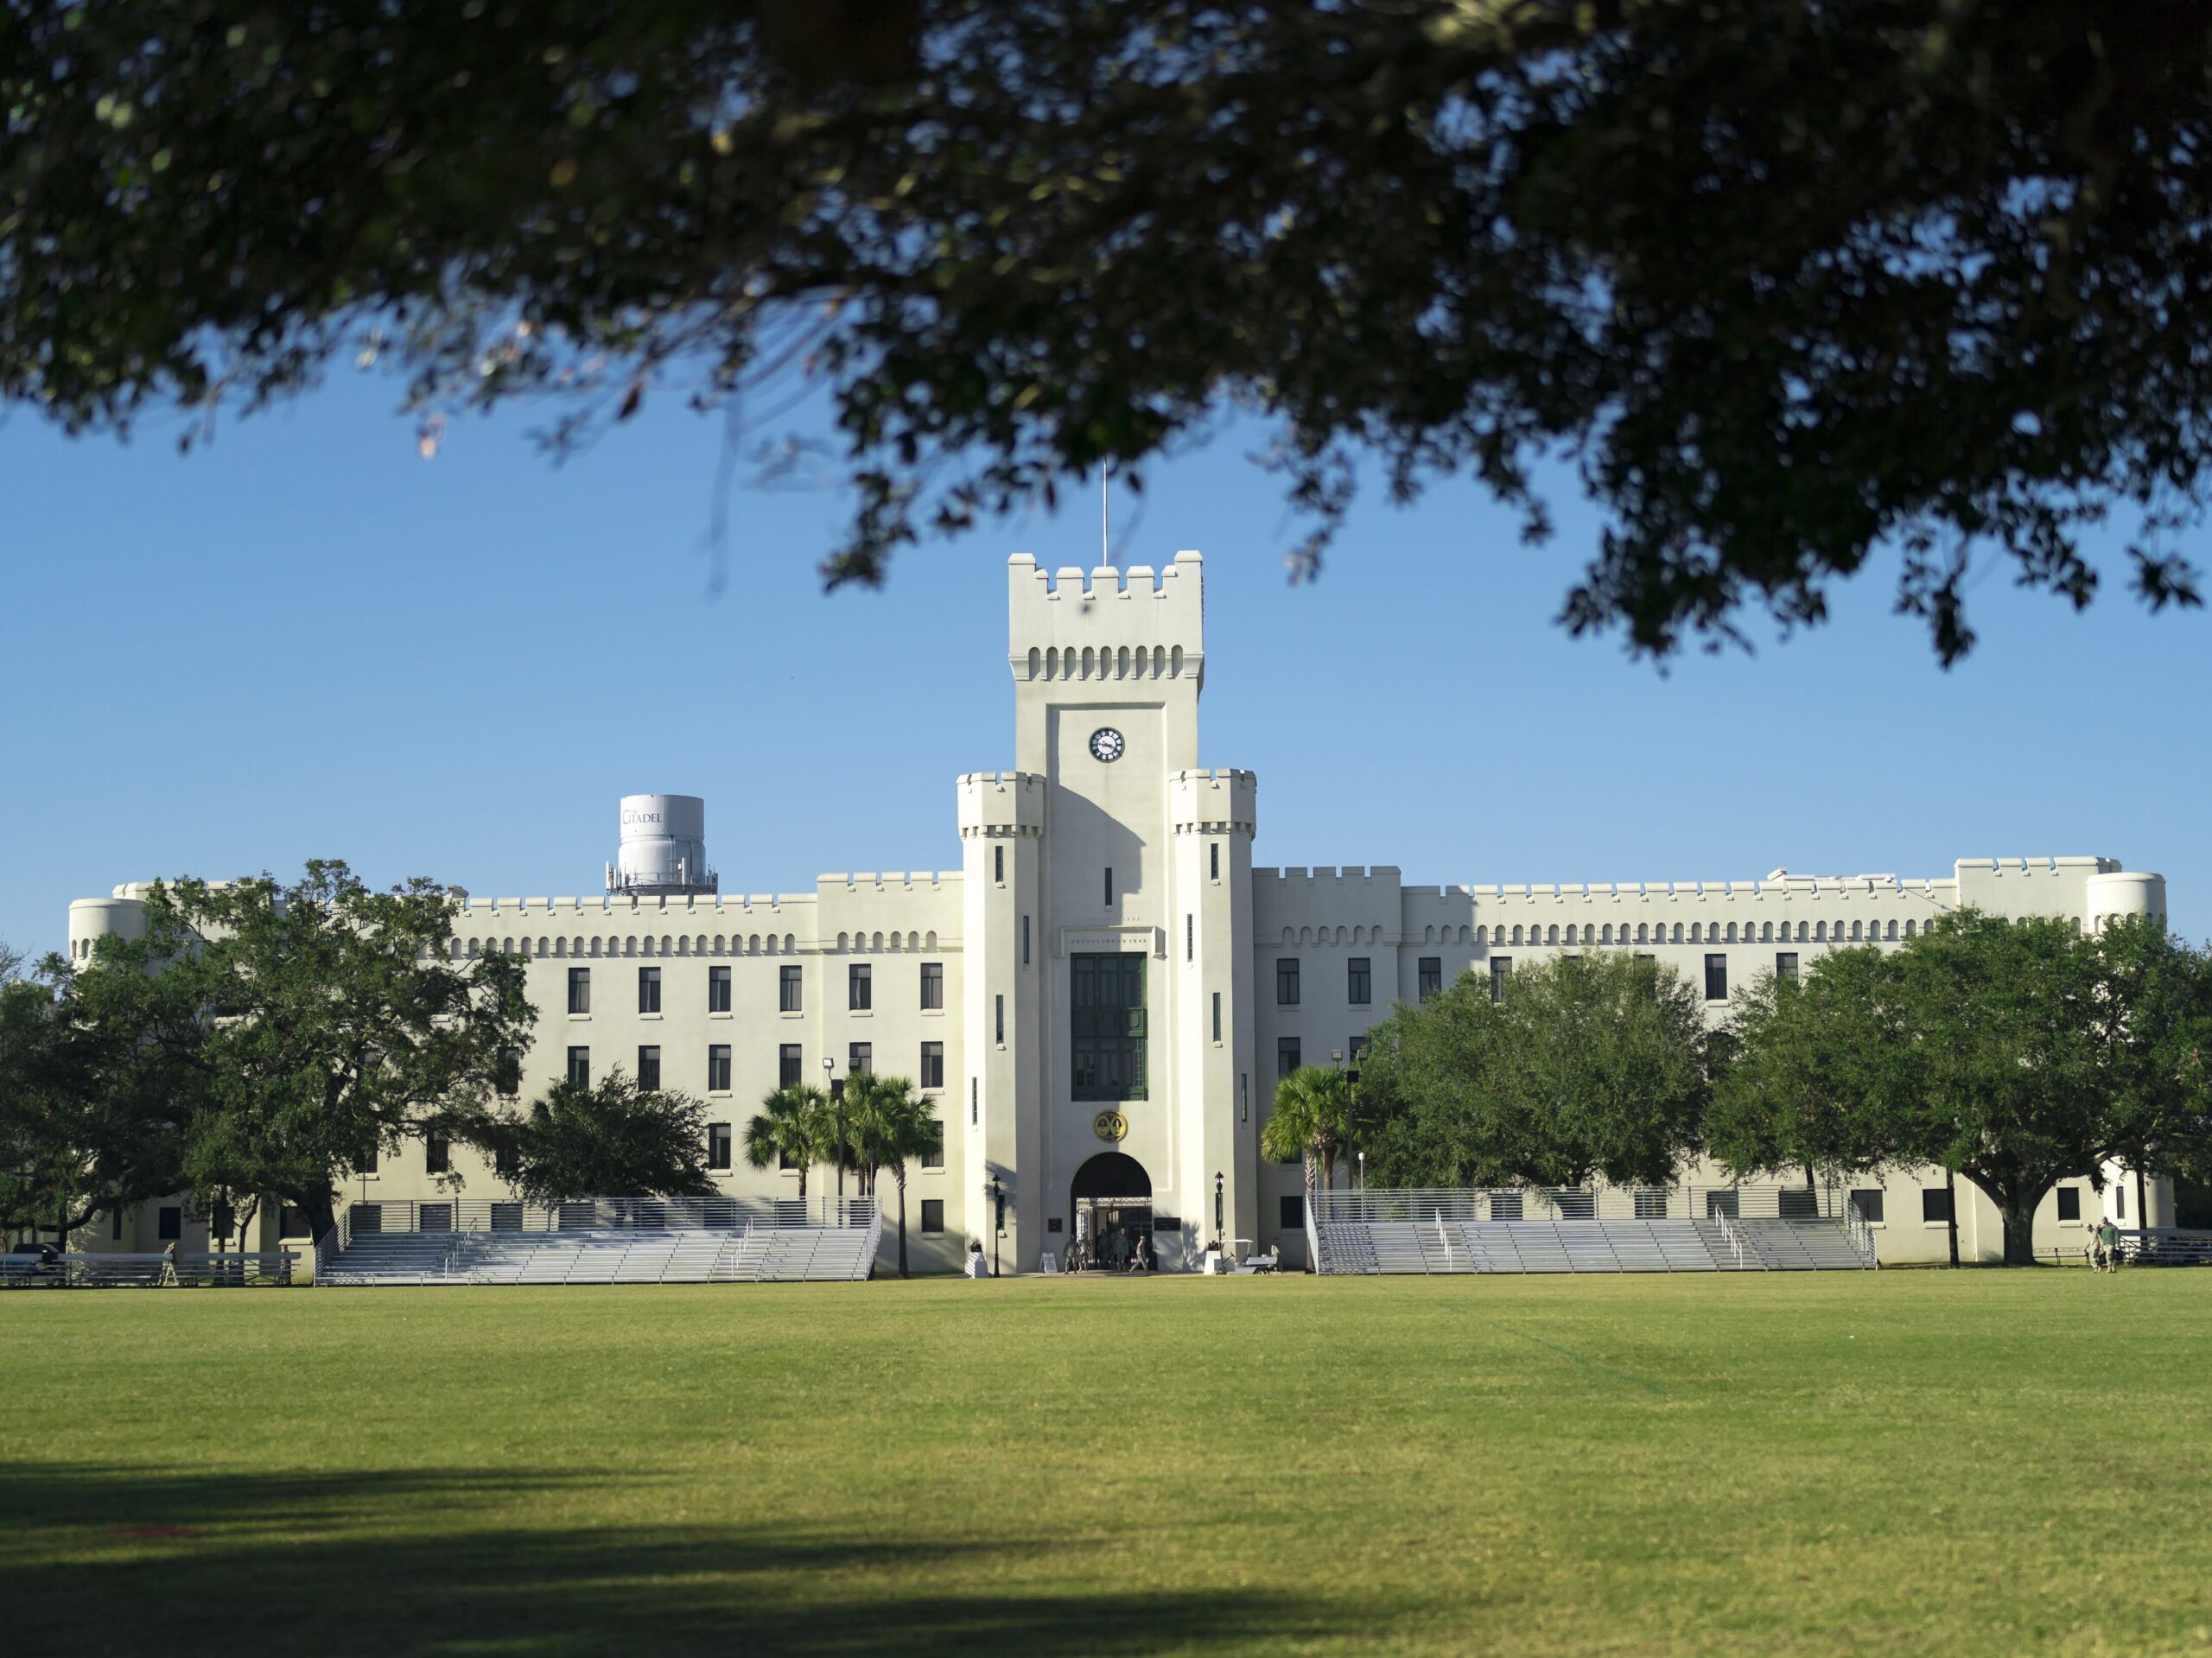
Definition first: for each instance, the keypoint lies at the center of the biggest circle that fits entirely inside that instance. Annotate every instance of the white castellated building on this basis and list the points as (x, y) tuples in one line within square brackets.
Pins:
[(1100, 999)]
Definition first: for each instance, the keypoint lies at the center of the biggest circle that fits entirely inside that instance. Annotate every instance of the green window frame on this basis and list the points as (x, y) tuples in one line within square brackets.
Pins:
[(1107, 1004)]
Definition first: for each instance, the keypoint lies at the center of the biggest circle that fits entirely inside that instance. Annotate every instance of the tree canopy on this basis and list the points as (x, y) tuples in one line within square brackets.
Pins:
[(2018, 1053), (1582, 1066), (1785, 283), (610, 1137), (325, 1023)]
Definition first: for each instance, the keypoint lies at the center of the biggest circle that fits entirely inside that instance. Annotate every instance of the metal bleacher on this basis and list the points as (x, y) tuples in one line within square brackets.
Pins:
[(601, 1240), (1650, 1230)]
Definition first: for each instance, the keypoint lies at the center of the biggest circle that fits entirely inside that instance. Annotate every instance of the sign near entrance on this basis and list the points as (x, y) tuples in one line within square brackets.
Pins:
[(1110, 1126)]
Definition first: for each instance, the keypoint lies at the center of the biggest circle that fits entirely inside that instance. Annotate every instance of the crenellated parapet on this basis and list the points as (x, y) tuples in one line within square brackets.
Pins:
[(997, 805), (1136, 624), (1219, 800)]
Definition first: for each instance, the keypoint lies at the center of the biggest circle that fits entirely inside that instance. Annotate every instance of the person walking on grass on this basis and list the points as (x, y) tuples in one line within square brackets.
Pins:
[(2108, 1246)]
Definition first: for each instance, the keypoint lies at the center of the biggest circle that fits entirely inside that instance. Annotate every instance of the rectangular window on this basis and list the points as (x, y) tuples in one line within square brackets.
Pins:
[(1190, 936), (932, 1065), (506, 1162), (1287, 981), (975, 1101), (860, 987), (116, 1236), (932, 987), (1359, 982), (507, 1074), (1866, 1204), (933, 1149), (1025, 941), (1500, 969), (998, 1019), (718, 1068), (932, 1216), (169, 1225), (1293, 1212), (1358, 1051), (1216, 1015), (1936, 1205), (1797, 1204), (1107, 1004), (1109, 889), (718, 990), (1716, 978), (788, 1065), (860, 1059), (2119, 1203), (1431, 980), (718, 1145), (998, 865), (649, 990), (580, 990), (649, 1069), (1785, 966), (787, 997), (1286, 1056), (579, 1067), (437, 1154), (1213, 861)]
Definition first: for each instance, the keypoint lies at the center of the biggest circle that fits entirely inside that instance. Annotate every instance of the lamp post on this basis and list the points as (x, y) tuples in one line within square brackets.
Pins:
[(1217, 1234), (837, 1099), (998, 1220)]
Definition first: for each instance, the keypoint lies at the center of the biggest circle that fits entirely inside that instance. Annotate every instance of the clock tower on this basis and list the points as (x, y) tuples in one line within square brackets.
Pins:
[(1116, 927)]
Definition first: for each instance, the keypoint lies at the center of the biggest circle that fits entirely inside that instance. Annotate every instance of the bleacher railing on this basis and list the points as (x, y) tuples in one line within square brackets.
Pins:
[(384, 1216), (1430, 1204), (233, 1270)]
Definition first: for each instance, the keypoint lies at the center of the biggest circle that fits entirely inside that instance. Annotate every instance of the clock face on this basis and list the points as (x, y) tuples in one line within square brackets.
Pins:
[(1106, 744)]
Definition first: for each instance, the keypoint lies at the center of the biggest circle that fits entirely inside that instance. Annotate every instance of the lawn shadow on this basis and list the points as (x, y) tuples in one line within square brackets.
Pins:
[(115, 1558)]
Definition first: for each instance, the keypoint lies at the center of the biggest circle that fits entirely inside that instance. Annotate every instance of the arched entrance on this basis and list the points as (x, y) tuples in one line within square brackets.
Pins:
[(1112, 1211)]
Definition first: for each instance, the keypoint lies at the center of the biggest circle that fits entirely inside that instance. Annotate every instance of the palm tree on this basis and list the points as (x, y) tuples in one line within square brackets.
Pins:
[(792, 1127), (889, 1126), (1311, 1121)]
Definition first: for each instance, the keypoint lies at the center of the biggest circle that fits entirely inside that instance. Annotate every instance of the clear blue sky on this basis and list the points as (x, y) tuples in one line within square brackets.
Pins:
[(306, 640)]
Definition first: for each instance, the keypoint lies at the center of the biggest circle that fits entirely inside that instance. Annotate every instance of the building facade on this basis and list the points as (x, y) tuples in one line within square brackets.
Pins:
[(1100, 999)]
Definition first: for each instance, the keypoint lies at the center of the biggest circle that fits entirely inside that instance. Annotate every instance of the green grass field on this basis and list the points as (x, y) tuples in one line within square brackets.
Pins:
[(1951, 1463)]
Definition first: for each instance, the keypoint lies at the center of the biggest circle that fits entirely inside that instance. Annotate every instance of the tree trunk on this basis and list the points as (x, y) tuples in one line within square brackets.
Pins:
[(322, 1216), (903, 1273), (1951, 1190), (2142, 1206), (2020, 1230)]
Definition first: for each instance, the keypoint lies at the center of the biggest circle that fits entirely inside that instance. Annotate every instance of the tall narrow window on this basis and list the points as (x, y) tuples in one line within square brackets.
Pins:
[(1501, 969), (860, 1059), (1213, 861), (649, 1069), (718, 1145), (1216, 1015), (649, 990), (1785, 966), (580, 990), (1107, 1047), (932, 1065), (437, 1154), (999, 1018), (1359, 982), (579, 1067), (860, 987), (1716, 978), (1025, 941), (1286, 1059), (788, 1066), (1431, 977), (787, 983), (998, 865), (718, 1068), (718, 990), (1190, 936), (975, 1101), (1287, 981), (933, 1147), (1109, 887), (932, 987), (508, 1074)]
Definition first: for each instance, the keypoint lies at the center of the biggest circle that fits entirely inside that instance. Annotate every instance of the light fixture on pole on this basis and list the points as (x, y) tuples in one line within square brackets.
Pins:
[(1217, 1206), (837, 1099), (997, 1195)]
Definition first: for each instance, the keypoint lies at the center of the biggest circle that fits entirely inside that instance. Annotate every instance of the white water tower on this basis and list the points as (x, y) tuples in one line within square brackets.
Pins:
[(664, 847)]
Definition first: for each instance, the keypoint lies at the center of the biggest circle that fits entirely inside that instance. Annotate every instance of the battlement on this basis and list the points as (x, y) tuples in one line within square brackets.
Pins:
[(485, 909), (1209, 800), (1108, 624), (1382, 871), (892, 881), (996, 803)]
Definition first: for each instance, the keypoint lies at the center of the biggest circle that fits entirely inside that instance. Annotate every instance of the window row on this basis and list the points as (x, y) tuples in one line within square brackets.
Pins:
[(791, 1067), (1701, 932), (1161, 661), (860, 989)]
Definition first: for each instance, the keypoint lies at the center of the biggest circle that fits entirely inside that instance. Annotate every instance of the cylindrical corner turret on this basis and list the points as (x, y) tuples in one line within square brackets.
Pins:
[(2124, 892), (663, 848)]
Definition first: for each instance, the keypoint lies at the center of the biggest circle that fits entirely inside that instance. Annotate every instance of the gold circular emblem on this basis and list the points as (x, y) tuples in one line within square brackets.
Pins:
[(1110, 1125)]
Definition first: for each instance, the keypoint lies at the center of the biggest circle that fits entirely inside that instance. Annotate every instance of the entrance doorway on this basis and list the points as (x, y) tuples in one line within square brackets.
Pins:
[(1112, 1213)]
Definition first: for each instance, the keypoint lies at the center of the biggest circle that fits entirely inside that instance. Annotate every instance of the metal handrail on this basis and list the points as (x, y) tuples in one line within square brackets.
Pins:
[(1733, 1237), (1600, 1202), (401, 1215), (233, 1268)]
